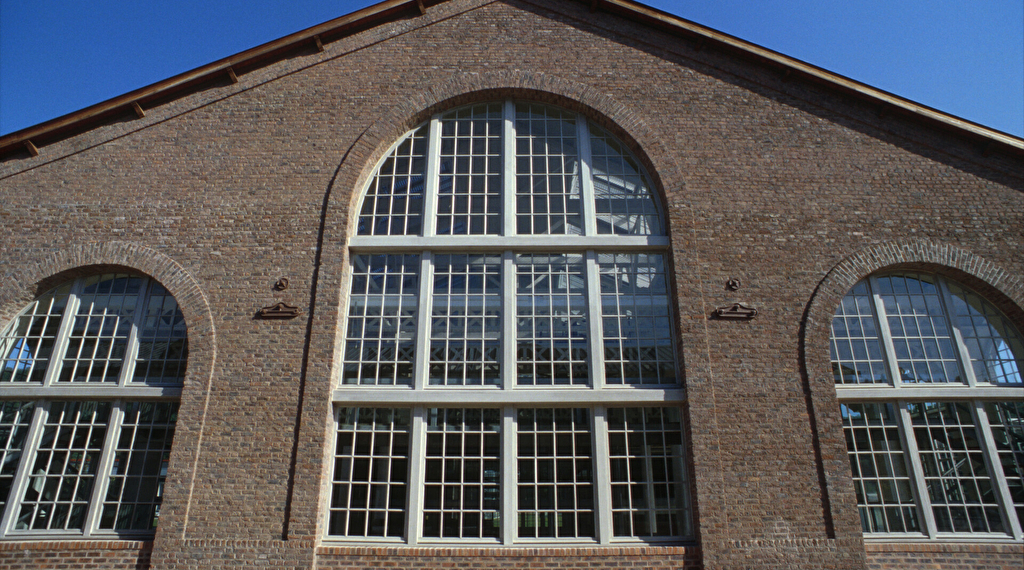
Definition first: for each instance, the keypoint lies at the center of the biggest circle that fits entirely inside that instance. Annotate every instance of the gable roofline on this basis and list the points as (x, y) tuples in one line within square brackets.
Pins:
[(135, 102)]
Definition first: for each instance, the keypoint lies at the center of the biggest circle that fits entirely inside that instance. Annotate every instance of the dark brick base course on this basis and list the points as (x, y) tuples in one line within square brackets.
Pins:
[(76, 555)]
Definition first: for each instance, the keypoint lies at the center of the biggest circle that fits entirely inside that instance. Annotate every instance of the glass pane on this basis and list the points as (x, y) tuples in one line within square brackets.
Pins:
[(636, 318), (64, 468), (469, 184), (920, 335), (465, 329), (648, 473), (380, 339), (163, 342), (556, 473), (624, 202), (551, 320), (1007, 422), (995, 347), (960, 487), (880, 475), (462, 487), (99, 336), (856, 342), (27, 344), (393, 203), (370, 478), (548, 195), (137, 475), (15, 419)]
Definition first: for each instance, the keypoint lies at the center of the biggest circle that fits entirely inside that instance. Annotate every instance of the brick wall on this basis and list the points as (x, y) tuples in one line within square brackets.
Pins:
[(76, 555), (783, 184), (946, 556)]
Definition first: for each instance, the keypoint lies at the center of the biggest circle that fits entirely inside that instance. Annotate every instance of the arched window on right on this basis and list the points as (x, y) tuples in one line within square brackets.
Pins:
[(928, 376)]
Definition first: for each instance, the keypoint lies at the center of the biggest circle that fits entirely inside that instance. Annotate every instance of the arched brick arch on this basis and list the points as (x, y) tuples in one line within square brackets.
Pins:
[(48, 271), (619, 118), (1002, 287)]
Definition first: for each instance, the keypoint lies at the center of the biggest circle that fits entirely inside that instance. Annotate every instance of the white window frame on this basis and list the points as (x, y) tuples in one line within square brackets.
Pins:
[(507, 395), (902, 394), (44, 394)]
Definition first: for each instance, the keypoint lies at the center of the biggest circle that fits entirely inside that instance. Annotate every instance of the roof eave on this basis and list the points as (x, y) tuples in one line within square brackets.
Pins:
[(134, 102)]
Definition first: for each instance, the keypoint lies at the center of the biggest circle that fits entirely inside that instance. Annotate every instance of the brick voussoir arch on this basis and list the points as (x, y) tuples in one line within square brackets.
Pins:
[(622, 120), (923, 254), (26, 283)]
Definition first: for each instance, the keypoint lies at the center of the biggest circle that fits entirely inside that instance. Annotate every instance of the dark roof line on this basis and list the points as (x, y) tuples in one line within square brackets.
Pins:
[(133, 103)]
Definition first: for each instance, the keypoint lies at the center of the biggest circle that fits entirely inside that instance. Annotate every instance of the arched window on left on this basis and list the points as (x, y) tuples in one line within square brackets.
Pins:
[(90, 380)]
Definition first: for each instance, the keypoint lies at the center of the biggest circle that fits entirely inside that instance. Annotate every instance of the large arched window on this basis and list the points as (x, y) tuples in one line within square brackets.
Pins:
[(928, 375), (509, 372), (89, 387)]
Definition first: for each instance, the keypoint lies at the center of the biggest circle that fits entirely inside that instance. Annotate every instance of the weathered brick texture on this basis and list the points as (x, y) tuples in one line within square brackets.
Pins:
[(789, 185)]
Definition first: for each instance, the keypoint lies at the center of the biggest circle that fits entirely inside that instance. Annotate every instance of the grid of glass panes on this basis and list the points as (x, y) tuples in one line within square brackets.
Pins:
[(548, 193), (371, 472), (624, 203), (884, 487), (462, 474), (470, 178), (100, 332), (551, 322), (1006, 420), (855, 343), (64, 467), (921, 338), (27, 345), (532, 327), (380, 340), (393, 202), (648, 478), (556, 473), (139, 469), (465, 320), (636, 319), (960, 488), (15, 419), (162, 340), (990, 339)]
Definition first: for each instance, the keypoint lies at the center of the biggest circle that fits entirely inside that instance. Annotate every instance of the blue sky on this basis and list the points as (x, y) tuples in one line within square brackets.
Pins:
[(962, 57)]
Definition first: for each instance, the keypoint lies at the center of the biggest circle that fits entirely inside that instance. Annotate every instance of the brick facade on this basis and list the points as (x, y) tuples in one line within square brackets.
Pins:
[(790, 185)]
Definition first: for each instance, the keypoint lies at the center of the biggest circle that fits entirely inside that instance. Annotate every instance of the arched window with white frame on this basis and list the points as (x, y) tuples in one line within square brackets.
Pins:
[(90, 379), (928, 375), (509, 371)]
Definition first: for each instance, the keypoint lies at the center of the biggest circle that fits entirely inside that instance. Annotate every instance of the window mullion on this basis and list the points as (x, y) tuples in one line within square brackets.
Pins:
[(28, 457), (420, 366), (995, 468), (101, 478), (883, 327), (963, 357), (60, 344), (508, 157), (602, 477), (594, 321), (914, 459), (432, 177), (509, 479), (586, 182), (132, 348), (417, 465), (509, 338)]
